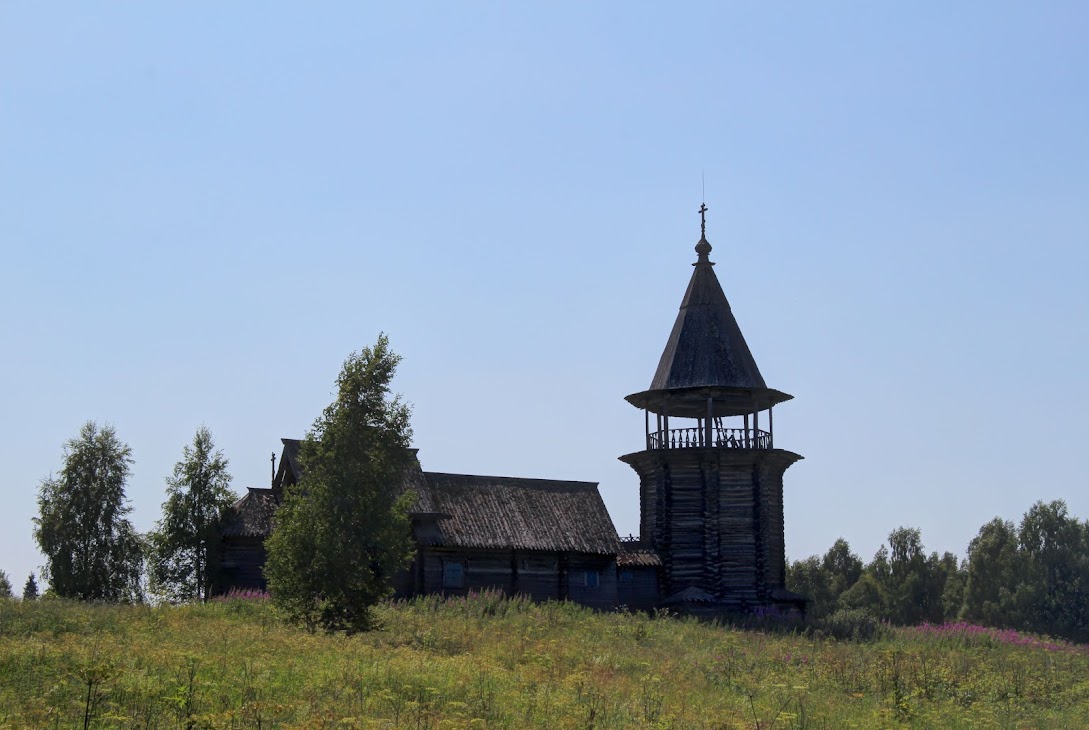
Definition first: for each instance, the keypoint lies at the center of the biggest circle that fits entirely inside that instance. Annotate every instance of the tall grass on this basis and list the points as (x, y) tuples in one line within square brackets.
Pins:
[(491, 662)]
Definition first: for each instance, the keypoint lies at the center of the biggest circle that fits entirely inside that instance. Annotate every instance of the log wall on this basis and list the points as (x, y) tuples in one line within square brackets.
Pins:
[(241, 561), (539, 575), (715, 516)]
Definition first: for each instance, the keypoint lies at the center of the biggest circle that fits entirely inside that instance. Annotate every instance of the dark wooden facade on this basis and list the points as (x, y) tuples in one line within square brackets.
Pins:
[(547, 539), (242, 549), (715, 519), (543, 538), (638, 568), (580, 577)]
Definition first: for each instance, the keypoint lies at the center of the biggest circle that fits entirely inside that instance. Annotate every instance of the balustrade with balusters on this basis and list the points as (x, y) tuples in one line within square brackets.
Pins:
[(721, 438)]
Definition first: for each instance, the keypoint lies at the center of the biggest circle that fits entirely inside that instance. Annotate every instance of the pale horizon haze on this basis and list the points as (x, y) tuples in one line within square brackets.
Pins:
[(204, 208)]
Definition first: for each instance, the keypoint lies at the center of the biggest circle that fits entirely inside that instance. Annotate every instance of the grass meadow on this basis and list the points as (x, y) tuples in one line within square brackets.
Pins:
[(489, 662)]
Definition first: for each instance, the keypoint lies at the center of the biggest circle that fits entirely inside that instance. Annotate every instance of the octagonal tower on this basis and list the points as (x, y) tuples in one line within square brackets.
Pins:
[(710, 475)]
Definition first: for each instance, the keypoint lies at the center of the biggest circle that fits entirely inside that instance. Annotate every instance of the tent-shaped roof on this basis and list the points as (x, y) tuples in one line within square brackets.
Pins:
[(706, 346), (706, 356)]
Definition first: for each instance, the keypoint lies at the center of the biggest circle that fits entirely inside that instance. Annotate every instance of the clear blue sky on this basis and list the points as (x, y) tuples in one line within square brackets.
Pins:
[(205, 208)]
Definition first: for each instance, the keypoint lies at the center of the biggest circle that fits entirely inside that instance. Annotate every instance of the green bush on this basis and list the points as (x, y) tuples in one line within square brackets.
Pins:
[(851, 624)]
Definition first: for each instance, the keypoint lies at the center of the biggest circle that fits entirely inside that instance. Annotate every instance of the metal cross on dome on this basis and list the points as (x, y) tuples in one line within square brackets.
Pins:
[(703, 220)]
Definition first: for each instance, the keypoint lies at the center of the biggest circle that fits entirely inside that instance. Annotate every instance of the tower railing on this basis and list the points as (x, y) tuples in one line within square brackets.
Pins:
[(721, 438)]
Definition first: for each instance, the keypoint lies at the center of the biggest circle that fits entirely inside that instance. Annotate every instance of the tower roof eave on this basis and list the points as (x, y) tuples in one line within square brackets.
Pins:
[(691, 402)]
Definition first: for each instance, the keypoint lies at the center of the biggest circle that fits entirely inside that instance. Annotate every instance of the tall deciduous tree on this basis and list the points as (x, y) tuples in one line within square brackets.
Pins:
[(183, 544), (342, 531), (809, 578), (824, 580), (1054, 597), (994, 570), (906, 582), (92, 551), (842, 567), (948, 576)]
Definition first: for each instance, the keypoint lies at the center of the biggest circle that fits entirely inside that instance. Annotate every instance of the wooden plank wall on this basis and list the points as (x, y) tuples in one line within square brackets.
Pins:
[(541, 576), (712, 514), (241, 561), (771, 486), (686, 552), (640, 591), (604, 595), (650, 478), (736, 515)]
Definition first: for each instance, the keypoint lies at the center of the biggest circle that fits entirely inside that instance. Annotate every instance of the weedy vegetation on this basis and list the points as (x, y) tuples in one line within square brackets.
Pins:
[(492, 662)]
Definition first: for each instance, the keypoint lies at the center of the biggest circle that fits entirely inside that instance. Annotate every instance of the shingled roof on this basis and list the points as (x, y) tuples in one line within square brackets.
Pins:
[(638, 558), (251, 516), (415, 480), (461, 510), (508, 513), (706, 347)]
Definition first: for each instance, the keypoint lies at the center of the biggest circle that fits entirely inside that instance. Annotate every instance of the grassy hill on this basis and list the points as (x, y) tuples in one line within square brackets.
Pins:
[(486, 662)]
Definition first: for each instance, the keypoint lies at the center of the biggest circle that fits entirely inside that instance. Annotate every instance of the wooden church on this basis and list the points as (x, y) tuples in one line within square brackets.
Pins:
[(710, 497)]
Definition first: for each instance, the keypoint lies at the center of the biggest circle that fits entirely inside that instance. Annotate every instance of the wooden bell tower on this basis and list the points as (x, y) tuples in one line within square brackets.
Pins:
[(710, 475)]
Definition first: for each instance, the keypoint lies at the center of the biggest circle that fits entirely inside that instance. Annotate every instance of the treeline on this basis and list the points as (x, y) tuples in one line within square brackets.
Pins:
[(1032, 576)]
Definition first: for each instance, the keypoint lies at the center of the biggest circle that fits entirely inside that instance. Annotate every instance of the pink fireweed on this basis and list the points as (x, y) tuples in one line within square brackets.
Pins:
[(971, 634), (243, 594)]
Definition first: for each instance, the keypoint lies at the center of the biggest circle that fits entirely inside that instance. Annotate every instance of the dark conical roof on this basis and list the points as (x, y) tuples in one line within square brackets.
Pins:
[(706, 347), (706, 368)]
